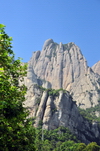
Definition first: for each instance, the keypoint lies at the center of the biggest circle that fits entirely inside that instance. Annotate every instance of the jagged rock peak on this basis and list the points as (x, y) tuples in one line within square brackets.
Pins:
[(63, 66), (65, 46), (47, 42), (96, 67)]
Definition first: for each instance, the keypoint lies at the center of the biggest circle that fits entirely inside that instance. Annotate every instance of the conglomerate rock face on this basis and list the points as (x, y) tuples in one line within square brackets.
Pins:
[(63, 66)]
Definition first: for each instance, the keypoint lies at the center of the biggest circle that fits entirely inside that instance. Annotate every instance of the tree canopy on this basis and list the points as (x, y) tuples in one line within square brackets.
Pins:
[(16, 133)]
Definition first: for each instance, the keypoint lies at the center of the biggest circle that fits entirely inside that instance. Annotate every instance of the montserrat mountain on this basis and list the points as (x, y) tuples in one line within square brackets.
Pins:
[(58, 82), (63, 66)]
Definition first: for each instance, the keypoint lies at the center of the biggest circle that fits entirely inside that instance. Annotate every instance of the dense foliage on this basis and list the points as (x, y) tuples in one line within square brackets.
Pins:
[(16, 133), (61, 139)]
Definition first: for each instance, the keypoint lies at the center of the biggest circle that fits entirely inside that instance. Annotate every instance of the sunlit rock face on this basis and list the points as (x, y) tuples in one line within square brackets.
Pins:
[(52, 111), (64, 66)]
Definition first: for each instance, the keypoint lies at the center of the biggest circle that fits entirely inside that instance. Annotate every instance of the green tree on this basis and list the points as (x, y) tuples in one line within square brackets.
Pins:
[(80, 147), (92, 147), (68, 146), (16, 132)]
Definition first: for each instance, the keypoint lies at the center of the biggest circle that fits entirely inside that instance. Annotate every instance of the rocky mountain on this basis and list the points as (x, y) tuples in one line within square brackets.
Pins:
[(63, 66), (58, 80)]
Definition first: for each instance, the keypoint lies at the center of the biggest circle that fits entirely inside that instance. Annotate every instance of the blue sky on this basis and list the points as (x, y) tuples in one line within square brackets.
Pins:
[(31, 22)]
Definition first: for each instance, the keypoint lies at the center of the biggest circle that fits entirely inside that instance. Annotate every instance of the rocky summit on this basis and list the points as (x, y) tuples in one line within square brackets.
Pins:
[(63, 66), (58, 82)]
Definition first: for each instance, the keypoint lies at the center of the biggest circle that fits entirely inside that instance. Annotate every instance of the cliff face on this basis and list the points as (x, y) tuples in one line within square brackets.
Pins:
[(64, 66), (52, 110)]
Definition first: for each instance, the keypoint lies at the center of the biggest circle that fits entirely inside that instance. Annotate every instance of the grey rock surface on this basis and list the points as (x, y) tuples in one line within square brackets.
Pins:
[(63, 66), (54, 111)]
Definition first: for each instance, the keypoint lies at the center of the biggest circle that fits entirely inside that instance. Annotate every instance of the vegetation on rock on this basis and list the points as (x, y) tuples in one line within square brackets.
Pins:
[(90, 113), (61, 139), (51, 92)]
